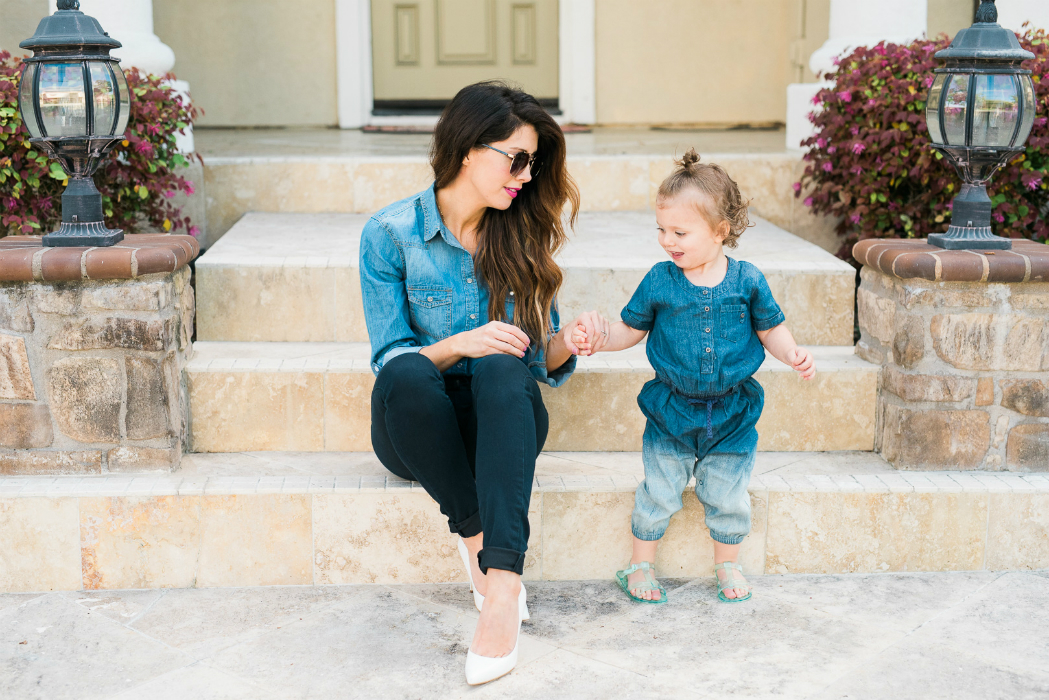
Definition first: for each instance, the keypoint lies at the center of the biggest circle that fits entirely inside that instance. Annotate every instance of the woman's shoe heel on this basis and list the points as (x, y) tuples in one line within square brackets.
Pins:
[(465, 554), (522, 604)]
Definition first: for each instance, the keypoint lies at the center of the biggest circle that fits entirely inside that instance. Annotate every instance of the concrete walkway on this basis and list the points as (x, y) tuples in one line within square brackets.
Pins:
[(956, 635)]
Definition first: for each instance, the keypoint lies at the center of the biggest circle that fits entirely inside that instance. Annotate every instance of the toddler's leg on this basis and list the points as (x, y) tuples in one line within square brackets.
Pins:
[(721, 486), (668, 466)]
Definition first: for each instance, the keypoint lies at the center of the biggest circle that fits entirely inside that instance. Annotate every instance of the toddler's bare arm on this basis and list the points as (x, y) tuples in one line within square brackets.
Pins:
[(779, 341), (620, 337)]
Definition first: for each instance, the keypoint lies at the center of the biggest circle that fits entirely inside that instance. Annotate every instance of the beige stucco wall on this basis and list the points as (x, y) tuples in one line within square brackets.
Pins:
[(254, 62), (700, 61), (948, 16), (18, 20)]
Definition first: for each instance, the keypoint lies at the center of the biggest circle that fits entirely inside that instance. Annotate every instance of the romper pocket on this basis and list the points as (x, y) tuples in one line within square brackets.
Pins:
[(733, 321), (431, 311)]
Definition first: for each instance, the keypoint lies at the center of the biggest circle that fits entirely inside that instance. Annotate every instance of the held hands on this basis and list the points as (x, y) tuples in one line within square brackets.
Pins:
[(587, 334), (802, 362)]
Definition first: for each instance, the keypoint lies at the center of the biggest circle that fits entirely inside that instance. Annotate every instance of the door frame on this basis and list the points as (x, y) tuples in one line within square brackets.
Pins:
[(353, 57)]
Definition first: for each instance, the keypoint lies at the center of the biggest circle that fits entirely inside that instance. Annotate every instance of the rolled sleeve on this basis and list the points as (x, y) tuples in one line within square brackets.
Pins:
[(638, 312), (537, 364), (385, 296), (765, 313)]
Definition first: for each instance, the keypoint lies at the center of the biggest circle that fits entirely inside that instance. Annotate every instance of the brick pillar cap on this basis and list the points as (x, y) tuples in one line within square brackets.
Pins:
[(24, 259), (1028, 261)]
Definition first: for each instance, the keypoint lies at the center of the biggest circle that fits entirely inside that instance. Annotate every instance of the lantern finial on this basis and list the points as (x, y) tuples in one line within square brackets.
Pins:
[(69, 4), (987, 13)]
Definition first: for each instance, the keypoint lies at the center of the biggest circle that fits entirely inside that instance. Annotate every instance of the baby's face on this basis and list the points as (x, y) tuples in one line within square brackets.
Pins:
[(685, 234)]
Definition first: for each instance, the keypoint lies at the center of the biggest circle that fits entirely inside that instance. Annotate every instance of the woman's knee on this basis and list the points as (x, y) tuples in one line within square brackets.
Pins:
[(409, 372), (501, 373)]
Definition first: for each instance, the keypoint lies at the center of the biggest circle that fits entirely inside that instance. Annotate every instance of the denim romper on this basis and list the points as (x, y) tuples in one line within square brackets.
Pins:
[(704, 403)]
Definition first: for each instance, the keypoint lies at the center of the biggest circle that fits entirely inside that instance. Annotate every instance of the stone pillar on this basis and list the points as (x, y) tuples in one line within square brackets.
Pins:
[(131, 23), (853, 23), (963, 341), (93, 348)]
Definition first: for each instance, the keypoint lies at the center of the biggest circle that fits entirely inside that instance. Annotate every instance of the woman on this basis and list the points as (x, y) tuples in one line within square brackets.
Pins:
[(459, 286)]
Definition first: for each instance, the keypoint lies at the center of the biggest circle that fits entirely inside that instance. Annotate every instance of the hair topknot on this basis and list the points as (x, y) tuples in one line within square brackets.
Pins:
[(719, 200)]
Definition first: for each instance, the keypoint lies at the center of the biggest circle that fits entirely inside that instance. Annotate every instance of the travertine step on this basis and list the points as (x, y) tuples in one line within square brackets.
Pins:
[(286, 519), (316, 397), (294, 277)]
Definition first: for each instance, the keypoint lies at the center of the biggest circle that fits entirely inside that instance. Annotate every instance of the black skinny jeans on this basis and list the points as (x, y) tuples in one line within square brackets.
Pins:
[(471, 442)]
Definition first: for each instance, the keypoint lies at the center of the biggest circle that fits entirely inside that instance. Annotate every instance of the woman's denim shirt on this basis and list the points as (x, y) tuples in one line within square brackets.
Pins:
[(702, 341), (419, 286)]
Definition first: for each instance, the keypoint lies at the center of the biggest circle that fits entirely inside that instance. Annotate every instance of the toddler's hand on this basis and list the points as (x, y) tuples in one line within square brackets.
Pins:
[(577, 341), (802, 362)]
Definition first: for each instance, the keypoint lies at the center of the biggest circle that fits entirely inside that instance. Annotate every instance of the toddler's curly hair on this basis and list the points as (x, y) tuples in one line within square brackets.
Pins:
[(719, 198)]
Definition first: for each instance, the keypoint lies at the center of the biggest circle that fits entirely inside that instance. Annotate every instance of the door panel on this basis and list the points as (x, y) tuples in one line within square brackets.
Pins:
[(423, 52)]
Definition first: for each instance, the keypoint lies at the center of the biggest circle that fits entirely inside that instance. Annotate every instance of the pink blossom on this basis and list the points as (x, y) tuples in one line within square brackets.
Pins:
[(998, 217), (808, 201), (859, 147), (169, 194), (194, 231), (845, 96), (1035, 183), (828, 167), (855, 218), (832, 149), (836, 60), (816, 99), (1040, 121), (144, 148), (856, 170), (189, 187), (928, 81), (797, 187), (821, 142), (872, 102), (153, 129), (855, 131)]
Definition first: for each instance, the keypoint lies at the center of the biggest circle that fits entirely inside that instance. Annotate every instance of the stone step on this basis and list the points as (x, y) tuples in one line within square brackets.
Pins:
[(294, 277), (316, 397), (300, 519), (621, 174)]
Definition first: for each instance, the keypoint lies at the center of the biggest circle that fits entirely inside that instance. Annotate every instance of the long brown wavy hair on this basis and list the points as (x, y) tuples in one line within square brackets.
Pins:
[(515, 246)]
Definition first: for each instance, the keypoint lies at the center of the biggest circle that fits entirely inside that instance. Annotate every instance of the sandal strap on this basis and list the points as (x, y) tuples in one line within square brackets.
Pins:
[(731, 578), (650, 583)]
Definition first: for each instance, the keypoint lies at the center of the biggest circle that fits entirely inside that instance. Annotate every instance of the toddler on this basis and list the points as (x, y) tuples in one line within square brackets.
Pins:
[(709, 319)]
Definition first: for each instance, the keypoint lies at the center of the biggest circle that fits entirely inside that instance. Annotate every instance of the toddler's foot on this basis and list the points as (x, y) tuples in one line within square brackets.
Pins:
[(735, 578), (638, 585)]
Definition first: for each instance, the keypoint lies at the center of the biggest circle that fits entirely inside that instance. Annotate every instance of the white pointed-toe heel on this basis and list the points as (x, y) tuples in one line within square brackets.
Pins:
[(522, 600), (465, 554), (482, 669)]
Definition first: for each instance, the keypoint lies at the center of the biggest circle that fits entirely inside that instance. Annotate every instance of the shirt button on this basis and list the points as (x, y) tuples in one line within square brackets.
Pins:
[(469, 280), (706, 308), (741, 315), (429, 298), (705, 291), (472, 316), (706, 330), (708, 349)]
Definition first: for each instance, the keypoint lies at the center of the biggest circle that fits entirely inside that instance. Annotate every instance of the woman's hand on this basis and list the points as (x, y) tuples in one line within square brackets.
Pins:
[(492, 339), (587, 334)]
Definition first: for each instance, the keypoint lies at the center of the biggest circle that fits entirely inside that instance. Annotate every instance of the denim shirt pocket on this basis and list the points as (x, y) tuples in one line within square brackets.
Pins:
[(431, 310), (733, 322)]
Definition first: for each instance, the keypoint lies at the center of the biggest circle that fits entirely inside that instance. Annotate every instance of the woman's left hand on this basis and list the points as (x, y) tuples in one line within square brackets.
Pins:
[(596, 328)]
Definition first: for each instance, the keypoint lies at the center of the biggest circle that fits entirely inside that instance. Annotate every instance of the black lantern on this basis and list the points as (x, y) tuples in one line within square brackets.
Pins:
[(75, 103), (980, 111)]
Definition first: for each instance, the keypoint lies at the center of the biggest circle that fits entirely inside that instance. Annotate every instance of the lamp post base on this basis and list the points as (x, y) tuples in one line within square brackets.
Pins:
[(969, 238), (92, 234)]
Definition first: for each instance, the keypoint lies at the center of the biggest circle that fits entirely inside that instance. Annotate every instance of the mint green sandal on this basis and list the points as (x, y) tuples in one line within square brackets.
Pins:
[(729, 567), (650, 583)]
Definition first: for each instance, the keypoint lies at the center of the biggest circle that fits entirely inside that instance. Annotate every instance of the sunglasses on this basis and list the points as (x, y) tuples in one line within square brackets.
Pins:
[(518, 161)]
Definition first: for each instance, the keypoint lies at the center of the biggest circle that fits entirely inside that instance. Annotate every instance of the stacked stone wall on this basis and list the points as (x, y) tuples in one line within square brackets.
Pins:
[(92, 374), (965, 378)]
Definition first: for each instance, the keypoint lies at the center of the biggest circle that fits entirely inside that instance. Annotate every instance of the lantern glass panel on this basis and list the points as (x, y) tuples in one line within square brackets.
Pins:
[(125, 101), (1030, 107), (26, 104), (955, 108), (62, 103), (103, 95), (996, 109), (932, 108)]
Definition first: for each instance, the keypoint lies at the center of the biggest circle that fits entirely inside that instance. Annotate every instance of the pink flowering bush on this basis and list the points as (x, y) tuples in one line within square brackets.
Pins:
[(872, 164), (137, 180)]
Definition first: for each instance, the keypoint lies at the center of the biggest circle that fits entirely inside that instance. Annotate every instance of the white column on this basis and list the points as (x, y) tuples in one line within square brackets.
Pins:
[(131, 23), (353, 62), (577, 71), (1013, 13), (853, 23)]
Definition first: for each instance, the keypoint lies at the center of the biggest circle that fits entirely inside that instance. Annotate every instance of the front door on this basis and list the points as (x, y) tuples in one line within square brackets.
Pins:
[(423, 52)]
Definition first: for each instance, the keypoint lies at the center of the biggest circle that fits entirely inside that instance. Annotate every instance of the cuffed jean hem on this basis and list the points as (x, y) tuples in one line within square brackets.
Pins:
[(471, 527), (502, 559), (648, 536), (726, 539)]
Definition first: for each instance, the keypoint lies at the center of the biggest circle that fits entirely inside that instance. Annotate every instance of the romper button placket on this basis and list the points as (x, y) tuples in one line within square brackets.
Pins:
[(473, 316), (706, 308), (706, 330), (708, 349)]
